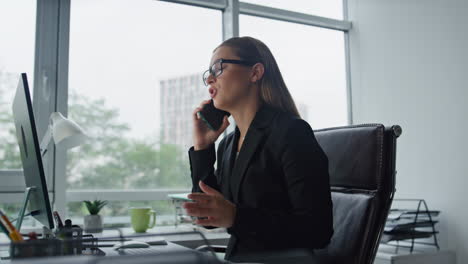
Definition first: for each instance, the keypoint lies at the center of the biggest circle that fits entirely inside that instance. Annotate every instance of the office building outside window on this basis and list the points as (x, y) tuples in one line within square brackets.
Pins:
[(179, 96)]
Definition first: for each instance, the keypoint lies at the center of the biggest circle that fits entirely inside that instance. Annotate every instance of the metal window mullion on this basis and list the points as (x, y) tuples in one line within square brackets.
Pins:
[(11, 181), (45, 78), (122, 195), (211, 4), (349, 97), (60, 160), (49, 74), (294, 17), (231, 19), (14, 197), (11, 173)]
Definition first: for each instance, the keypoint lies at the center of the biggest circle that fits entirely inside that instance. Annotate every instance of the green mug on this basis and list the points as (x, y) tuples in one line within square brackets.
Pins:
[(140, 217)]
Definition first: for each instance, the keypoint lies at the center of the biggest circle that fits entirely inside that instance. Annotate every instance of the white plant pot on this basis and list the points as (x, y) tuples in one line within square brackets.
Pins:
[(93, 224)]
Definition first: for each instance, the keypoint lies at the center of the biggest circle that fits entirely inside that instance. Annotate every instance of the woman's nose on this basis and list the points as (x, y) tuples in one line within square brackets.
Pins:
[(211, 79)]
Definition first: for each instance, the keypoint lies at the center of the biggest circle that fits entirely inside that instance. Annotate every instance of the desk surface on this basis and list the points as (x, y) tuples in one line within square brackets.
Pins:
[(190, 240), (215, 236), (175, 241), (170, 247), (169, 254)]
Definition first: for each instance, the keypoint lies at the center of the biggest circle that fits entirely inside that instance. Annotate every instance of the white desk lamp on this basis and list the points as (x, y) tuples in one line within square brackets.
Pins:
[(64, 132)]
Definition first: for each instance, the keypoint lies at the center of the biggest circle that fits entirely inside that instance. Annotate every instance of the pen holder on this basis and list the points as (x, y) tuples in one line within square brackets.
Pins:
[(72, 240), (35, 248), (68, 241)]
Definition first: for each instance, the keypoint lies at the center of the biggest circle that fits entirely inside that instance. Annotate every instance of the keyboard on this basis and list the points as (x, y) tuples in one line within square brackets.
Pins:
[(152, 241), (140, 251)]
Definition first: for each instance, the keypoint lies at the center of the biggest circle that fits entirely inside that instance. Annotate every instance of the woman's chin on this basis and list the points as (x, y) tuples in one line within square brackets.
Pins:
[(218, 103), (221, 107)]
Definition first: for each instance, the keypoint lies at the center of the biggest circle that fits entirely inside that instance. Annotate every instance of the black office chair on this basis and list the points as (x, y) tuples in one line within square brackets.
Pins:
[(362, 179)]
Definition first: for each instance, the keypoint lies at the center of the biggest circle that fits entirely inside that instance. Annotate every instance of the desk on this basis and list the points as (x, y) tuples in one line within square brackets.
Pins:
[(170, 253), (215, 236)]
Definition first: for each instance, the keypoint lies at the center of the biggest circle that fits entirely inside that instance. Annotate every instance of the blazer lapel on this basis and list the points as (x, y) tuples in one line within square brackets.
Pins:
[(251, 142), (253, 138), (233, 149), (229, 158)]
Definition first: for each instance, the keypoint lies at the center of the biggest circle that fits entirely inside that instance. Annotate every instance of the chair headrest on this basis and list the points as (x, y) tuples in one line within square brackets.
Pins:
[(355, 155)]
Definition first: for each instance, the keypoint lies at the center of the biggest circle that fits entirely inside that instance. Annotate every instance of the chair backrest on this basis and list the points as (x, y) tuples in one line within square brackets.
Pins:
[(362, 179)]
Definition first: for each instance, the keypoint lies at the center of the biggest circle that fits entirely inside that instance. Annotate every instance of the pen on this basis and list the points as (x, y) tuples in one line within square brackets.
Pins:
[(5, 230), (57, 219), (14, 234)]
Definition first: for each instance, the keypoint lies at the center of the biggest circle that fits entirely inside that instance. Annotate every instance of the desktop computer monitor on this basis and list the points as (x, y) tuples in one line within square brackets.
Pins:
[(33, 170)]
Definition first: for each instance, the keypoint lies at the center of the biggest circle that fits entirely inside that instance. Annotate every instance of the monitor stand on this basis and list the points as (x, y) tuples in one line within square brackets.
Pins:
[(27, 194)]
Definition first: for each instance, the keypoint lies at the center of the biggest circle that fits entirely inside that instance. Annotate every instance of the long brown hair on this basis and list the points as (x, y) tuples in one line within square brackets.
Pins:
[(273, 90)]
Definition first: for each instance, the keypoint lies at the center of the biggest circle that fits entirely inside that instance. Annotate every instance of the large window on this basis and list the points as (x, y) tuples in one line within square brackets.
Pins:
[(17, 31), (134, 80), (17, 20), (134, 77), (312, 62)]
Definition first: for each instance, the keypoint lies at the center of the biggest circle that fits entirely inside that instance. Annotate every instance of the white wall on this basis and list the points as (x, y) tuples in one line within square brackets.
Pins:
[(409, 66)]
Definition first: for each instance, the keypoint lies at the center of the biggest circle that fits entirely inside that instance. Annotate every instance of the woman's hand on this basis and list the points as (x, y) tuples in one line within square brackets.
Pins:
[(211, 204), (202, 135)]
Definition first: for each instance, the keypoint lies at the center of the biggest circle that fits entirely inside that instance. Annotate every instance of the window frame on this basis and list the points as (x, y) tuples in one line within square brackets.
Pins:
[(12, 181), (51, 88), (50, 72)]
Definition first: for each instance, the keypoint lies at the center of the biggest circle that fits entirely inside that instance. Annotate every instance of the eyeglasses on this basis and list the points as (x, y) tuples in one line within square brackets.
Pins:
[(217, 68)]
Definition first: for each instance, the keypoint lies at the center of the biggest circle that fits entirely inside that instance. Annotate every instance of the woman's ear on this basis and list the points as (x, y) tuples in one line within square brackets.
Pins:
[(257, 72)]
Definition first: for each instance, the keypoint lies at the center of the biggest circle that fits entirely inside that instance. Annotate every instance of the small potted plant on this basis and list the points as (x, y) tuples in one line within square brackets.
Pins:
[(93, 221)]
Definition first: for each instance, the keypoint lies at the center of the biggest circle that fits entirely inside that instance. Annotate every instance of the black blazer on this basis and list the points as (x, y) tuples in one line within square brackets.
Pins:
[(279, 184)]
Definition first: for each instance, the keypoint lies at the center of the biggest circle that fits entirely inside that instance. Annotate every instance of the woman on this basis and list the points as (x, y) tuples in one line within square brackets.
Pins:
[(271, 185)]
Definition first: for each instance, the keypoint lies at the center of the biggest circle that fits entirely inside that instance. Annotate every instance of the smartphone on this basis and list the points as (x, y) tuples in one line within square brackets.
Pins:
[(180, 197), (212, 116)]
